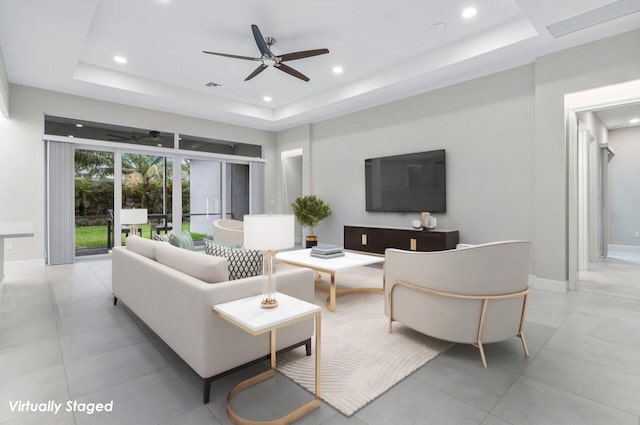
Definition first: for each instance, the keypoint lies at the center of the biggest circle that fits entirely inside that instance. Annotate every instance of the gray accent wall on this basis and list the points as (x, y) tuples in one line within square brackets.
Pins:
[(486, 127), (624, 187)]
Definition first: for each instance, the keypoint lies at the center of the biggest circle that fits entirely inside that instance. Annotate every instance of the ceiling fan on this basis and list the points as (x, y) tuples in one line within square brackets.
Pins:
[(153, 136), (267, 57)]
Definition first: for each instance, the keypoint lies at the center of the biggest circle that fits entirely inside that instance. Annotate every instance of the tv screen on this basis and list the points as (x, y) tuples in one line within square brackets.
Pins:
[(407, 183)]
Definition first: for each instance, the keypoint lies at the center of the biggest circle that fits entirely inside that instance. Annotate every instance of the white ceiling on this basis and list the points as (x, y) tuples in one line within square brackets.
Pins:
[(389, 50), (620, 116)]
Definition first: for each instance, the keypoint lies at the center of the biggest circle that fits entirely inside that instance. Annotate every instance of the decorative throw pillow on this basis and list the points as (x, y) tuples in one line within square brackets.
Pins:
[(242, 262), (181, 240), (160, 237)]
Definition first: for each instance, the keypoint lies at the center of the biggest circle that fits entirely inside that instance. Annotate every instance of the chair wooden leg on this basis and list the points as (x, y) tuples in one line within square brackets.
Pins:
[(115, 300), (481, 348), (524, 344)]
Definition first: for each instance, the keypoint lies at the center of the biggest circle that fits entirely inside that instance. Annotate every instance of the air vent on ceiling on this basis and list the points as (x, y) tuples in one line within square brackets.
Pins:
[(212, 84), (599, 15)]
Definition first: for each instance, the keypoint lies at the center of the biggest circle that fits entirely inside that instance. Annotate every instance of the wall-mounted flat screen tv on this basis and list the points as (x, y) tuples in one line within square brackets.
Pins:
[(407, 183)]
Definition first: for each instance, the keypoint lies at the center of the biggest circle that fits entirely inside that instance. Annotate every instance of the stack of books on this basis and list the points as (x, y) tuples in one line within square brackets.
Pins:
[(327, 251)]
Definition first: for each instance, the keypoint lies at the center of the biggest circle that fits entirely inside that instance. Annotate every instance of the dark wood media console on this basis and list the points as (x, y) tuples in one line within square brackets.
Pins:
[(376, 239)]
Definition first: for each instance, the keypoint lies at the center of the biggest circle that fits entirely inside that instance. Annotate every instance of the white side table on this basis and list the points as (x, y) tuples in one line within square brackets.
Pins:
[(247, 314), (10, 230)]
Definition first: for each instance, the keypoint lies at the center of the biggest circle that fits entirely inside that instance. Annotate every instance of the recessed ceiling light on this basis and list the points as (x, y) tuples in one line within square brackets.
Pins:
[(337, 69), (469, 12), (120, 59), (79, 125), (159, 145), (71, 135), (267, 99), (634, 120)]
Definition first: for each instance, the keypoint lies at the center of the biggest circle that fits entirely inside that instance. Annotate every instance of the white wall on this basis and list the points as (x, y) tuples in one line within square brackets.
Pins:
[(486, 127), (22, 150), (624, 186)]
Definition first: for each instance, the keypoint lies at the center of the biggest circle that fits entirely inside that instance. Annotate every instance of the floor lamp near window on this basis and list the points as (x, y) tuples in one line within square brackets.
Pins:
[(269, 234)]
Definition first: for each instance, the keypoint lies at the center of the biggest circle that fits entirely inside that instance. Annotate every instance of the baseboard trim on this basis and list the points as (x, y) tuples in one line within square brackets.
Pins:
[(35, 262), (548, 284), (631, 248)]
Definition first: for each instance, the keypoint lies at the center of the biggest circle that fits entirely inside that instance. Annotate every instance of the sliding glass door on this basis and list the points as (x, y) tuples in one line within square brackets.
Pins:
[(94, 186), (201, 195), (147, 184)]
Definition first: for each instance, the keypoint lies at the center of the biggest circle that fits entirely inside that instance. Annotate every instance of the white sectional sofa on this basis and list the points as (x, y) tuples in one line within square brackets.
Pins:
[(168, 289)]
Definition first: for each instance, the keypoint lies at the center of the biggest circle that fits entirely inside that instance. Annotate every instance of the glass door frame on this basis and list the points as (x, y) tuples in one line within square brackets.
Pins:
[(177, 156)]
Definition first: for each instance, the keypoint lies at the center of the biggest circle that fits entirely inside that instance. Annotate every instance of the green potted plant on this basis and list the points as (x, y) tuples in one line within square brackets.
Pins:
[(310, 210)]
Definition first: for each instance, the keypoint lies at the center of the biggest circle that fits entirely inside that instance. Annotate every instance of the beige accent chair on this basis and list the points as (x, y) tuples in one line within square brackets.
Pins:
[(228, 232), (473, 295)]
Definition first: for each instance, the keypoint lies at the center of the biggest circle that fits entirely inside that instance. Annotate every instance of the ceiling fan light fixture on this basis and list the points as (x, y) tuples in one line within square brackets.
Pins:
[(469, 12), (337, 70)]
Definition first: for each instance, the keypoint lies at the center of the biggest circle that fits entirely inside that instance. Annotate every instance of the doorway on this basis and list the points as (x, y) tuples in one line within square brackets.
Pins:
[(292, 184), (604, 194)]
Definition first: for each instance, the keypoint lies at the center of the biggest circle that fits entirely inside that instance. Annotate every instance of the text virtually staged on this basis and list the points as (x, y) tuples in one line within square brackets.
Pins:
[(55, 407)]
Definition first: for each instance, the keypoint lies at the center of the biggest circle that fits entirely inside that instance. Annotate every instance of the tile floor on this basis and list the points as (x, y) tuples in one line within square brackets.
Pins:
[(61, 339)]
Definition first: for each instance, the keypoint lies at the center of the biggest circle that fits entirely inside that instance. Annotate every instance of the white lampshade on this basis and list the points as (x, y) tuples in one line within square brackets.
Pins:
[(268, 232), (134, 216)]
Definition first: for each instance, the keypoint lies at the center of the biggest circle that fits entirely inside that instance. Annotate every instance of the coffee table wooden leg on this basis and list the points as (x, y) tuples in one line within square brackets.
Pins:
[(332, 293)]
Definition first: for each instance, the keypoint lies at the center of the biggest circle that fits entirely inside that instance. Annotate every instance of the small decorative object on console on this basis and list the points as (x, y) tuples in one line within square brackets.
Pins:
[(431, 223), (424, 218), (417, 224)]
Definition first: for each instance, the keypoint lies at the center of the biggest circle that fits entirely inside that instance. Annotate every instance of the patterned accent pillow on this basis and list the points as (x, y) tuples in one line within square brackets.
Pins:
[(160, 237), (242, 262)]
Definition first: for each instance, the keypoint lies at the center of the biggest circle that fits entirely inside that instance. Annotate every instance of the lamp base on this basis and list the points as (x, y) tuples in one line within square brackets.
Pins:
[(269, 303)]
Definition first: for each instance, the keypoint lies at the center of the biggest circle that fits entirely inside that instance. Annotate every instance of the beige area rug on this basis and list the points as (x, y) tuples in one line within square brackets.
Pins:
[(360, 359)]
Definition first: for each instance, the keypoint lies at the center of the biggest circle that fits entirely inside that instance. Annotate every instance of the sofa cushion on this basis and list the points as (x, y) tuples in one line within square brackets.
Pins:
[(242, 262), (141, 246), (181, 240), (204, 267)]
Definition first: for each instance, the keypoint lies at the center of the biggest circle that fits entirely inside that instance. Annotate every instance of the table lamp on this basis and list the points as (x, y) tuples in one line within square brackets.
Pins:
[(134, 216), (268, 233)]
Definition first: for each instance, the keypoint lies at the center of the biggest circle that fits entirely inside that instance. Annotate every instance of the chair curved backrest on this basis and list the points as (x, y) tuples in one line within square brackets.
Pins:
[(473, 294), (228, 232)]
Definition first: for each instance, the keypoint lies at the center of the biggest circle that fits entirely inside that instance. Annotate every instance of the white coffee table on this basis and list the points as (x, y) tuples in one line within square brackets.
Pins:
[(302, 258), (247, 314)]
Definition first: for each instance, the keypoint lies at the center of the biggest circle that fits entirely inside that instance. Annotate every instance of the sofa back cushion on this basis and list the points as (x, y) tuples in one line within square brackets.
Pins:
[(145, 247), (204, 267)]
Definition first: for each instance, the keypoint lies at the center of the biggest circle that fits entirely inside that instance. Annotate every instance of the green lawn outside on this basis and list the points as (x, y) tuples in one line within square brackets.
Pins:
[(96, 236)]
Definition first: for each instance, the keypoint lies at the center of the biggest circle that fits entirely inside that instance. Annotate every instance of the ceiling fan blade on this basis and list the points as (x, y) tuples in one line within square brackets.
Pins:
[(116, 136), (257, 71), (232, 56), (303, 54), (262, 45), (284, 68)]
